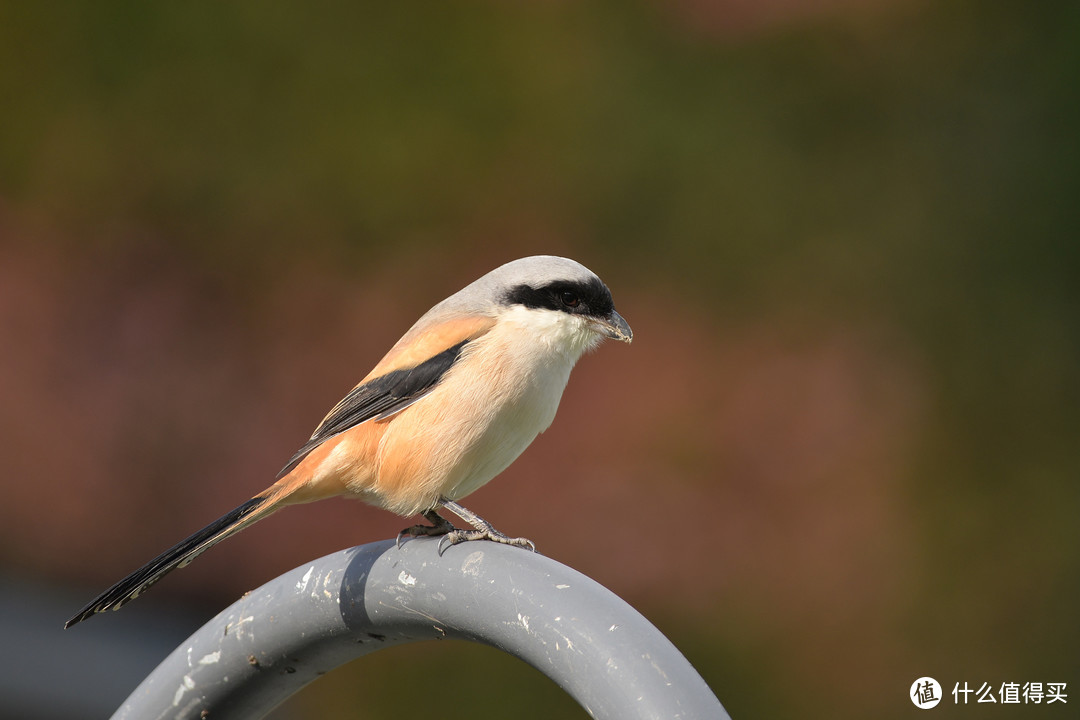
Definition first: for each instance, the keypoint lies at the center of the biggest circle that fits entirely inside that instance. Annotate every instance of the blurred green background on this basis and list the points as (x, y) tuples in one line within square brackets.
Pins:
[(841, 454)]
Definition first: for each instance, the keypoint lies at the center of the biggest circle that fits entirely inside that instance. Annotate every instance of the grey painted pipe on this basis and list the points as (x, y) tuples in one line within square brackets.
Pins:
[(277, 639)]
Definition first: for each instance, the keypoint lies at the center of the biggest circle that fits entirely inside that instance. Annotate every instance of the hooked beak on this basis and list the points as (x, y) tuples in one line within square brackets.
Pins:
[(614, 326)]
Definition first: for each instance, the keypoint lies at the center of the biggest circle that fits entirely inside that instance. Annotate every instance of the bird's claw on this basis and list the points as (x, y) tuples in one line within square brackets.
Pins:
[(454, 537), (424, 531)]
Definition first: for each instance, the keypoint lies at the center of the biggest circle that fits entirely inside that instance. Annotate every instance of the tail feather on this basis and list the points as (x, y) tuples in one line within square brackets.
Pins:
[(177, 556)]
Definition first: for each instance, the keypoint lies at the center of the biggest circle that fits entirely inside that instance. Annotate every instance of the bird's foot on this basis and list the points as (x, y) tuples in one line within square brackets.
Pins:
[(455, 536), (483, 531), (439, 526)]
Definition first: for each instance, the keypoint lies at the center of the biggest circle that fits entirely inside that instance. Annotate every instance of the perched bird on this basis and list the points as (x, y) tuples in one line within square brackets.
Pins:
[(456, 400)]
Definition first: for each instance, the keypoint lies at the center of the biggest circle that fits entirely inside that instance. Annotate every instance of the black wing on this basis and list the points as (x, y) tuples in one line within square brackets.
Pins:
[(383, 396)]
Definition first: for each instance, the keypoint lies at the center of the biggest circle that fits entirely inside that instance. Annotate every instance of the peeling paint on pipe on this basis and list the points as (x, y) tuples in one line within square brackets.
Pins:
[(277, 639)]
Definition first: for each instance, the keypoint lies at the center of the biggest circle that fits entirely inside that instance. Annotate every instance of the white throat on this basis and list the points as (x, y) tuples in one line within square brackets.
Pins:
[(530, 354)]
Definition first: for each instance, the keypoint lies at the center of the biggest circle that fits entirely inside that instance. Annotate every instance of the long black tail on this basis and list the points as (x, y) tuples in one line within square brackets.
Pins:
[(177, 556)]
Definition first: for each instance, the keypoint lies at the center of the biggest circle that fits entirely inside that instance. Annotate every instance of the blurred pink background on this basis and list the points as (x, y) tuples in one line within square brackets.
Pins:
[(839, 455)]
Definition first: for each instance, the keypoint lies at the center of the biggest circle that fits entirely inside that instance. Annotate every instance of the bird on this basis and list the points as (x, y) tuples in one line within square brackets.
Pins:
[(452, 404)]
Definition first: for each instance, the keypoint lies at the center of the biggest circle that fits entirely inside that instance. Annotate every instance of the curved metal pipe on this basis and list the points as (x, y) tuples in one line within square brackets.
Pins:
[(275, 640)]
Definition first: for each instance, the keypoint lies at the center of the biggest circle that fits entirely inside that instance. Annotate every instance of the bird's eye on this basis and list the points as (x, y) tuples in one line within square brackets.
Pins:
[(569, 299)]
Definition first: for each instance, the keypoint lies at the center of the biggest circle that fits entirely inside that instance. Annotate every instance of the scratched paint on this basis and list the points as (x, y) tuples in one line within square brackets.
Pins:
[(471, 566), (302, 583), (186, 684), (210, 658), (326, 586), (241, 629)]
